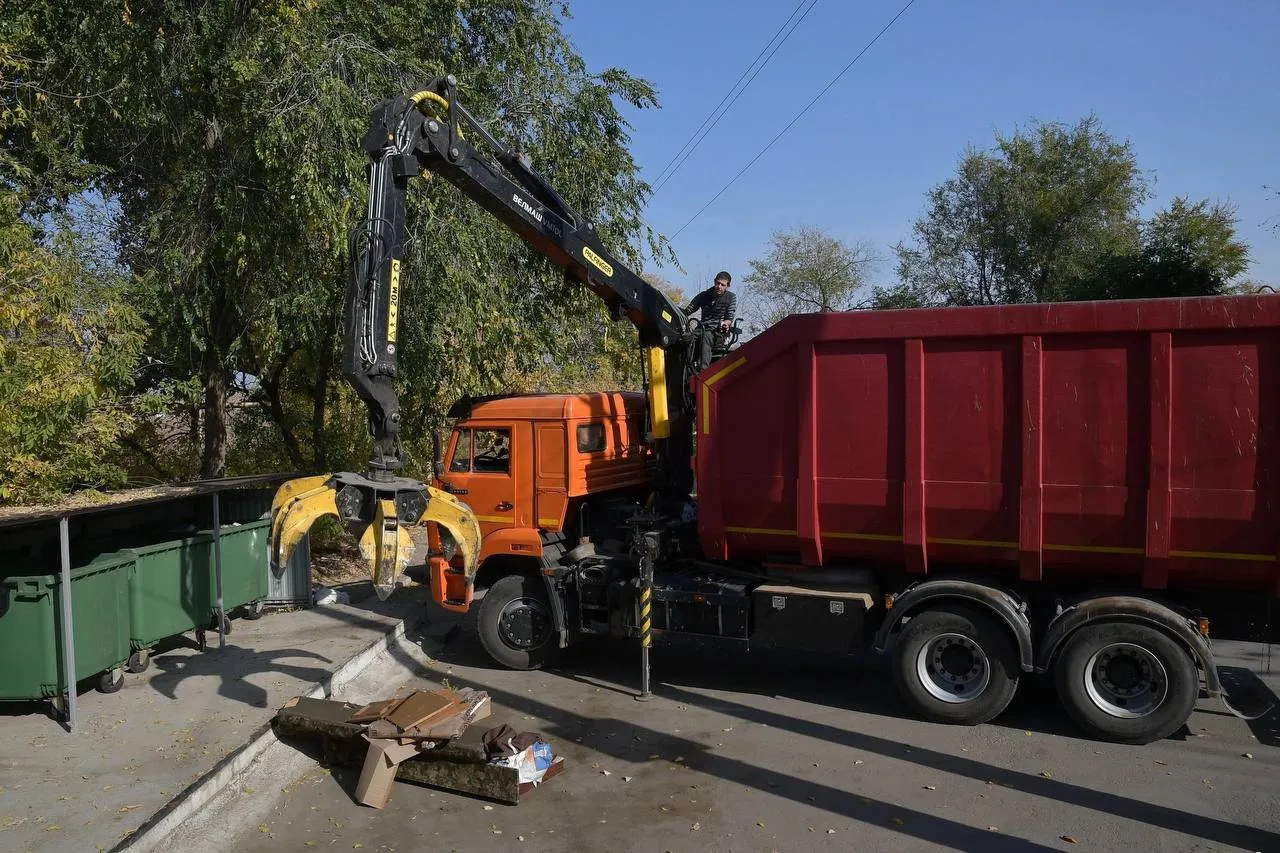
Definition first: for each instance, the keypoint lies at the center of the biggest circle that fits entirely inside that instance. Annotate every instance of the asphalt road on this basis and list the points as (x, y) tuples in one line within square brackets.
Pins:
[(772, 752)]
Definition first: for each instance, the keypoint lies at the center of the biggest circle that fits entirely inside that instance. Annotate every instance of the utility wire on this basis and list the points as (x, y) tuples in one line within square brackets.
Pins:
[(799, 116), (738, 95), (672, 166)]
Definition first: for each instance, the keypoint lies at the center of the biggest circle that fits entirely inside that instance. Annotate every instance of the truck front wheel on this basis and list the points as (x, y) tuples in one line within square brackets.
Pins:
[(1126, 683), (954, 664), (515, 623)]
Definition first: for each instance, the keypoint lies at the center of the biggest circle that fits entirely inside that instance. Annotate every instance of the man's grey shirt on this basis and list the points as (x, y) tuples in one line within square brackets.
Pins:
[(714, 309)]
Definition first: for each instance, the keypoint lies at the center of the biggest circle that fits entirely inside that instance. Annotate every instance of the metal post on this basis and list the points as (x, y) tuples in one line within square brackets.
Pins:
[(217, 572), (1268, 658), (646, 620), (68, 631)]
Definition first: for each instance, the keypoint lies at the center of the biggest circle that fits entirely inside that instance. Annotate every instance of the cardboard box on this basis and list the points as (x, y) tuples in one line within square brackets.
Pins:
[(379, 772)]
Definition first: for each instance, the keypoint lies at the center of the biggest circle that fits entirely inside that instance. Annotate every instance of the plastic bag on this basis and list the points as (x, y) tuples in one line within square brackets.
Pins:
[(531, 762), (542, 756)]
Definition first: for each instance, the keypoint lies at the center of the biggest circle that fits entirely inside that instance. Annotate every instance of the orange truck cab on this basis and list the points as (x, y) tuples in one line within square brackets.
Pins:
[(533, 469)]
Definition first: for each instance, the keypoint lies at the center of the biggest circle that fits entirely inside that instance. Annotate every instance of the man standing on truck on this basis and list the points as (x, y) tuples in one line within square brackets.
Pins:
[(718, 306)]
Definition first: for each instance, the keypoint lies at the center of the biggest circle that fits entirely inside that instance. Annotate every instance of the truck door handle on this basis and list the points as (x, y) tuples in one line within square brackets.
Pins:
[(505, 505)]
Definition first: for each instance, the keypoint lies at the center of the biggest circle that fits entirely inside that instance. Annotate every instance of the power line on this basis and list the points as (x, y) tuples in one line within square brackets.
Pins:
[(799, 116), (738, 95), (663, 176)]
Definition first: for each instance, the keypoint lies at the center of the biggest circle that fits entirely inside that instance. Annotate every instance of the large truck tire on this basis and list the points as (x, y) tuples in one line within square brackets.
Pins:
[(515, 623), (1126, 683), (954, 664)]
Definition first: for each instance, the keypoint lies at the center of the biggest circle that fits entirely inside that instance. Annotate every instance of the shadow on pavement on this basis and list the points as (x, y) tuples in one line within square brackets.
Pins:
[(235, 662), (230, 666), (603, 735), (834, 683), (862, 684)]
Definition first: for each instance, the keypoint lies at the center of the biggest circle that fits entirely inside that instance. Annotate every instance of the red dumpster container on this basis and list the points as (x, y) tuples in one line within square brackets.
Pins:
[(1128, 442)]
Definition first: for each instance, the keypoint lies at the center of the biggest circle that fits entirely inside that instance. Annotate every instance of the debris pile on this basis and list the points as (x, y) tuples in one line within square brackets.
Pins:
[(399, 729), (427, 738)]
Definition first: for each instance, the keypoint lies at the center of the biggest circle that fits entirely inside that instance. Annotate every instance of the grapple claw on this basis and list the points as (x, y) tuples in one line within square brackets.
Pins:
[(453, 515), (378, 513), (295, 508)]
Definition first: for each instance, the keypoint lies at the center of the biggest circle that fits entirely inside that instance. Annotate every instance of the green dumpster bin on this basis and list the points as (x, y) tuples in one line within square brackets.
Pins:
[(173, 588), (31, 628), (169, 589), (244, 565)]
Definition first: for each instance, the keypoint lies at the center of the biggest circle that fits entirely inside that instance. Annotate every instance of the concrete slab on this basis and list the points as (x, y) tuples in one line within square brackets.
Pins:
[(135, 752)]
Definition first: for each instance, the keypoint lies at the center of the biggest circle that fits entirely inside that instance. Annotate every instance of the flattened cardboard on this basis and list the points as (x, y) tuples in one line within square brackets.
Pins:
[(379, 771), (375, 710), (421, 706)]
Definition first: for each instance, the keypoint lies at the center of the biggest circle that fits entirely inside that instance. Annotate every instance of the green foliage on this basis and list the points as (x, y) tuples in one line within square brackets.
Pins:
[(68, 344), (806, 270), (228, 136), (1186, 250), (69, 339), (1022, 222)]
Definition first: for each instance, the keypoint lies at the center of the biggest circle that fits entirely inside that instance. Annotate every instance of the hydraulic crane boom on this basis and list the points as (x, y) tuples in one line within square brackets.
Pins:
[(430, 132)]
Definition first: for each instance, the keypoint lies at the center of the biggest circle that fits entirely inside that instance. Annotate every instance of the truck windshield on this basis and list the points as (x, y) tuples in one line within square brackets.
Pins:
[(461, 461), (482, 451)]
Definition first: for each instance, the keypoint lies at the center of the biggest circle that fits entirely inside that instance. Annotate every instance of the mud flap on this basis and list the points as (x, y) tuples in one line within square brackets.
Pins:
[(1244, 694)]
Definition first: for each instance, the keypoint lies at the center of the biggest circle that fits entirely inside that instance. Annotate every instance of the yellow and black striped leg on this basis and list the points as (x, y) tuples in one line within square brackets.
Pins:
[(646, 627)]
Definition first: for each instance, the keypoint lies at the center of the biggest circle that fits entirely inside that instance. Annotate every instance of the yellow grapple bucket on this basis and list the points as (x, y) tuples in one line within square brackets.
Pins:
[(379, 514)]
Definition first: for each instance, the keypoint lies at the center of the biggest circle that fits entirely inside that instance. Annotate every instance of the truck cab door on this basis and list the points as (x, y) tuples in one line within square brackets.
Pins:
[(481, 471)]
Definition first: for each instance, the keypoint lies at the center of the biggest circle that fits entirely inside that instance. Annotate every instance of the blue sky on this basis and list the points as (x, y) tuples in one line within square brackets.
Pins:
[(1195, 86)]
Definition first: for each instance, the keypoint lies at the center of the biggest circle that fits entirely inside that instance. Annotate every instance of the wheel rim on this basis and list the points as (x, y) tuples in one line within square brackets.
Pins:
[(1126, 681), (524, 624), (953, 668)]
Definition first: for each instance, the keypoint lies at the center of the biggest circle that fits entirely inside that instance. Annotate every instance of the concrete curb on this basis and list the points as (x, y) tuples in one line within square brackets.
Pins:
[(158, 829)]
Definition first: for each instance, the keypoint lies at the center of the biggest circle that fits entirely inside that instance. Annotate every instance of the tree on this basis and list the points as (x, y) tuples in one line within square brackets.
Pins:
[(1186, 250), (228, 136), (806, 270), (1023, 221), (68, 342), (69, 337)]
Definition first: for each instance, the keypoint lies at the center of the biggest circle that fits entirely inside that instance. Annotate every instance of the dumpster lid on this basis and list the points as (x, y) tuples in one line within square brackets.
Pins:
[(24, 515)]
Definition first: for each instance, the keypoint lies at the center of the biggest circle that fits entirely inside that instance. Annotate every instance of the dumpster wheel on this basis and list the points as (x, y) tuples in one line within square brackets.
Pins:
[(139, 661), (111, 680)]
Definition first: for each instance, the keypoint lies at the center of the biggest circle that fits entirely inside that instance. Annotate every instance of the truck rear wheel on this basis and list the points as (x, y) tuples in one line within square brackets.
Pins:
[(515, 623), (954, 664), (1126, 683)]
